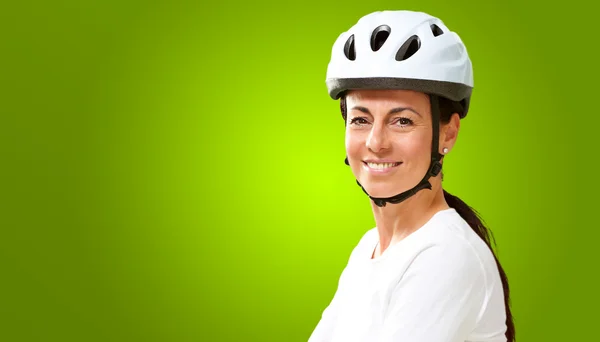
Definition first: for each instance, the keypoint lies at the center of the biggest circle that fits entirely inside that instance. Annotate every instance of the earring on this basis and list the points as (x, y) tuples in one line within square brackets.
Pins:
[(445, 150)]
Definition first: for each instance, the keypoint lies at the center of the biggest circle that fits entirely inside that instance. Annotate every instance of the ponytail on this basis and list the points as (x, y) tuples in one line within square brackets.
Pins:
[(472, 218)]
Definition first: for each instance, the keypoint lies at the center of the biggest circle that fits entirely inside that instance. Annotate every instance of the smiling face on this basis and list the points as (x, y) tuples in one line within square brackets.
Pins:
[(388, 139)]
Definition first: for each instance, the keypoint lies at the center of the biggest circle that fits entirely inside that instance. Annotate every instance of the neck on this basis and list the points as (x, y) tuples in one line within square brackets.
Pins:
[(396, 221)]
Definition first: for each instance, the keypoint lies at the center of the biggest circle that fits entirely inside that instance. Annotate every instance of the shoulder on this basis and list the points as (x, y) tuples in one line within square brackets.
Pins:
[(450, 248), (448, 261), (453, 235), (368, 240), (445, 287), (447, 264), (460, 256), (492, 313)]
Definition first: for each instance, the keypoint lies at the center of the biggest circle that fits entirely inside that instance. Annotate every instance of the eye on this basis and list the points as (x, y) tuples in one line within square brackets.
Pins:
[(404, 122), (358, 121)]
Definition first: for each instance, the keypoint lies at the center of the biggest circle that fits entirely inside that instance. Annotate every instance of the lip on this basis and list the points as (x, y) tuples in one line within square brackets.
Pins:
[(380, 171)]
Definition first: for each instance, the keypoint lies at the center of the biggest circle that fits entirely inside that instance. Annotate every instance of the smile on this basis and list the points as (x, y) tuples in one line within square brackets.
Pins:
[(380, 167)]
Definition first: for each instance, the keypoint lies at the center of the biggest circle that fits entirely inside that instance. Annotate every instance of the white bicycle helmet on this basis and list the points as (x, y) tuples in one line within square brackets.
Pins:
[(403, 50)]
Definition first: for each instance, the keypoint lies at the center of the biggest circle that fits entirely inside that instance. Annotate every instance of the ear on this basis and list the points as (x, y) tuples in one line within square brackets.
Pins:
[(449, 133)]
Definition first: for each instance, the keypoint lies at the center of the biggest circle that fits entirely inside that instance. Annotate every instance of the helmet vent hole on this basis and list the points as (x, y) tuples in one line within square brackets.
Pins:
[(409, 48), (349, 50), (437, 31), (379, 36)]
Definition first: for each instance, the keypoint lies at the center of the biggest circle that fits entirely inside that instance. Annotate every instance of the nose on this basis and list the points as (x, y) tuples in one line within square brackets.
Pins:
[(378, 139)]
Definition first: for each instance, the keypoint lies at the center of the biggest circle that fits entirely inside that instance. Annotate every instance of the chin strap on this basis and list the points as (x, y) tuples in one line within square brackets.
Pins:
[(434, 167)]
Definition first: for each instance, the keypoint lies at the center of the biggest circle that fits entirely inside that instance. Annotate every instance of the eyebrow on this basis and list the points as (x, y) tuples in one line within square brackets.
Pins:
[(392, 111)]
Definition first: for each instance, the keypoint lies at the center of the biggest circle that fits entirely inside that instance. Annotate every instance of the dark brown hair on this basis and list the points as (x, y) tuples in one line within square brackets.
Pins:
[(447, 108)]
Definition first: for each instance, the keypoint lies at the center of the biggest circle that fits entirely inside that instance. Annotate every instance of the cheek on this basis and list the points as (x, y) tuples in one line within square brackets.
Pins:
[(353, 144), (418, 149)]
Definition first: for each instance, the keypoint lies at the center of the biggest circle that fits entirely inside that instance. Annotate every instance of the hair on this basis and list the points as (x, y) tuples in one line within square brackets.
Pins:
[(447, 109)]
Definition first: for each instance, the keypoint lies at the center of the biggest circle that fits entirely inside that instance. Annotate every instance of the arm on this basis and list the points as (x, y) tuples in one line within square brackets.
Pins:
[(438, 299), (325, 328)]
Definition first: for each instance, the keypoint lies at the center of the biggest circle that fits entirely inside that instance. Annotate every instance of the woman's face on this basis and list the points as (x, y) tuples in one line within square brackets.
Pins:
[(388, 139)]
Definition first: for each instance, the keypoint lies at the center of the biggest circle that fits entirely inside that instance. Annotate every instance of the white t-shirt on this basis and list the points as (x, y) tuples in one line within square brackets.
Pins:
[(438, 284)]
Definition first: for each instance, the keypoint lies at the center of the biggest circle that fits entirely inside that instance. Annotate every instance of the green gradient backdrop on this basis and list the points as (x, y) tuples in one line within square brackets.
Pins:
[(174, 171)]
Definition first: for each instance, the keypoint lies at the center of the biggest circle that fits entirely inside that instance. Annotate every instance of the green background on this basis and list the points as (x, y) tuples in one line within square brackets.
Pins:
[(173, 171)]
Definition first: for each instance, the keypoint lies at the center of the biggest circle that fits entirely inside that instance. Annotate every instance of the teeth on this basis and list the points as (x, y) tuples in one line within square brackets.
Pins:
[(380, 166)]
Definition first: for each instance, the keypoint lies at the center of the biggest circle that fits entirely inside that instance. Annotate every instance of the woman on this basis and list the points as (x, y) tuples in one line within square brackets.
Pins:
[(426, 272)]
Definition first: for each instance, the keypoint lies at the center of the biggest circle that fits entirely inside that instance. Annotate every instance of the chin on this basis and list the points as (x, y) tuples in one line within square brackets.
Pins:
[(381, 190)]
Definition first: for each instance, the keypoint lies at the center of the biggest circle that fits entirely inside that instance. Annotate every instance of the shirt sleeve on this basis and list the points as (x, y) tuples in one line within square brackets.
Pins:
[(324, 329), (438, 299), (323, 332)]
